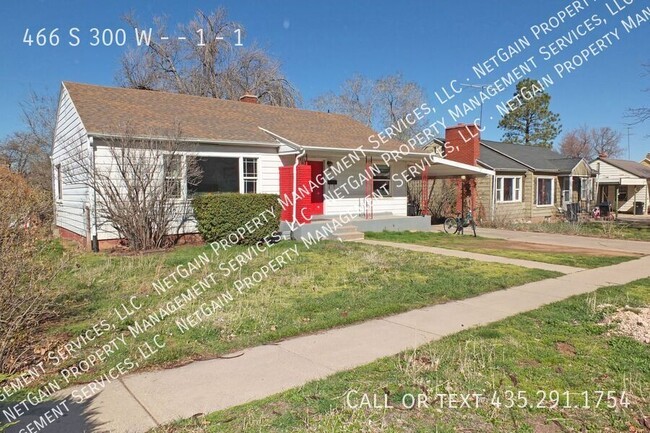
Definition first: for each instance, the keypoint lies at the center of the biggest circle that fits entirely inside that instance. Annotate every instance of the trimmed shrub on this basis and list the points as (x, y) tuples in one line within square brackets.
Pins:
[(220, 214)]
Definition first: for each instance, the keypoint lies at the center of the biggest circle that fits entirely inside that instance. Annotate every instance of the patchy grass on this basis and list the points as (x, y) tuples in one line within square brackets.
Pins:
[(561, 347), (577, 257), (330, 284), (600, 229)]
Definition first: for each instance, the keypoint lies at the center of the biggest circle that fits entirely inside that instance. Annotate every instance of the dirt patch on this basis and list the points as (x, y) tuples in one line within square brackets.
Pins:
[(541, 425), (565, 348), (632, 322), (526, 246)]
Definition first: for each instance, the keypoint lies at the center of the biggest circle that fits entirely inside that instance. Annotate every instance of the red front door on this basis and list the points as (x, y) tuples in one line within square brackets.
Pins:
[(317, 193)]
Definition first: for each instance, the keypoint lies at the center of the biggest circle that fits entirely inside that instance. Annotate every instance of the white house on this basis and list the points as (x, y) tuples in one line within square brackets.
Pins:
[(243, 147), (622, 183)]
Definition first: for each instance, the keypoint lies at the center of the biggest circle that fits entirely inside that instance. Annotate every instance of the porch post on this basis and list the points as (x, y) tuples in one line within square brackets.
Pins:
[(424, 202), (616, 201)]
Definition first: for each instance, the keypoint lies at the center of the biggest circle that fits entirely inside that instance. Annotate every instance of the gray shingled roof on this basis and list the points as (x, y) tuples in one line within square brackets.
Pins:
[(534, 157), (632, 167), (496, 161)]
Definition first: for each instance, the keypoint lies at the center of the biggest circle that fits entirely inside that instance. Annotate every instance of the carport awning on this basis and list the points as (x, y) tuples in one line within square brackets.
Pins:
[(622, 181), (629, 181), (441, 167)]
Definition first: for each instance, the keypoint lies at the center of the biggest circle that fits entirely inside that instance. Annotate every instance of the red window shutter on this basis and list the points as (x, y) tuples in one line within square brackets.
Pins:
[(303, 204), (286, 187)]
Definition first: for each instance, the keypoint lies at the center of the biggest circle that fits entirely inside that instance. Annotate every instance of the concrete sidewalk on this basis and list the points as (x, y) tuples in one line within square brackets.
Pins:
[(639, 247), (476, 256), (142, 401)]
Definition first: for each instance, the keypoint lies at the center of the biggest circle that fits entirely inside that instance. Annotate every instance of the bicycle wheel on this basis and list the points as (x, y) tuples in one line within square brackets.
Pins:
[(450, 225)]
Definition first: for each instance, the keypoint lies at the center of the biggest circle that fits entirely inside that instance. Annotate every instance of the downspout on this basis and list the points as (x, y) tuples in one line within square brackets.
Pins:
[(295, 167), (493, 203), (95, 242), (295, 186)]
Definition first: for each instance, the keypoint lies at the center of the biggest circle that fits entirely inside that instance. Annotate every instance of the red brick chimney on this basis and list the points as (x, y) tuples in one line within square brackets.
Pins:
[(603, 155), (463, 143), (251, 99)]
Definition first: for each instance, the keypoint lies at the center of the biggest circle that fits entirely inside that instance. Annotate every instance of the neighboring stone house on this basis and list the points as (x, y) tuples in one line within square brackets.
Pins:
[(530, 183)]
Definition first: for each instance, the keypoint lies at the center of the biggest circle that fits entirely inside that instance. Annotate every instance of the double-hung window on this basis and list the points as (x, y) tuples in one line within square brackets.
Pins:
[(173, 176), (508, 189), (545, 191), (381, 181), (250, 175)]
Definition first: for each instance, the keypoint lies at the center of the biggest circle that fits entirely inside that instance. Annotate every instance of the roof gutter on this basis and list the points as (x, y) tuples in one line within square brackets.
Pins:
[(189, 140)]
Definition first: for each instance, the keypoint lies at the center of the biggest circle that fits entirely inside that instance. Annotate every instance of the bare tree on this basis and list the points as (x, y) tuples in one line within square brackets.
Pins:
[(252, 71), (140, 185), (588, 143), (381, 103), (396, 98), (606, 141), (356, 99), (577, 143), (27, 151), (205, 63)]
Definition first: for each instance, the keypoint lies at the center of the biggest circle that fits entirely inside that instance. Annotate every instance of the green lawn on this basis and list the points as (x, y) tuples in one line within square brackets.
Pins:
[(503, 248), (331, 284), (560, 347)]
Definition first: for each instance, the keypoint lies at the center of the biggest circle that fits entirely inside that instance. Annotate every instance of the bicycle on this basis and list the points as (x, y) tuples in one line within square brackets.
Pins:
[(459, 223)]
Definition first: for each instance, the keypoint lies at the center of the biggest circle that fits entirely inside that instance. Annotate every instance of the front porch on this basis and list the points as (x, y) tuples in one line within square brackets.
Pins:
[(628, 196), (357, 225)]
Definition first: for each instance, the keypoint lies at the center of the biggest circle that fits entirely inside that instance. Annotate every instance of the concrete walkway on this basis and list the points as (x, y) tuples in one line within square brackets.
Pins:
[(142, 401), (639, 247), (476, 256)]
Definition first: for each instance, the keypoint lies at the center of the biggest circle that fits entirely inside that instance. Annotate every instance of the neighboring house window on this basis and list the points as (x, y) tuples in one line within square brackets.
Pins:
[(545, 191), (59, 183), (508, 189), (173, 176), (250, 175), (381, 181), (584, 188)]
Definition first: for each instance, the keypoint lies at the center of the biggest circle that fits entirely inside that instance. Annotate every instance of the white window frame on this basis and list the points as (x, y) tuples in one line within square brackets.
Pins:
[(516, 191), (552, 179), (59, 183), (243, 177), (182, 178), (382, 191)]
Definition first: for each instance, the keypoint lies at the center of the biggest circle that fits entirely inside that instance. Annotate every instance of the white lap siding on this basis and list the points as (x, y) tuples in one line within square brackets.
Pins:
[(353, 200), (70, 147), (268, 163)]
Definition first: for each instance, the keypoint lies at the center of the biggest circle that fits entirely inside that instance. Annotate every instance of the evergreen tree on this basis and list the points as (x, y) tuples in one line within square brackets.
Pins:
[(529, 120)]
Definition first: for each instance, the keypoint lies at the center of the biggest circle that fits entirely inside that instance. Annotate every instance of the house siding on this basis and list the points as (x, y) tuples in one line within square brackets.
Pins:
[(520, 211), (70, 140), (610, 173), (267, 181), (353, 200)]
